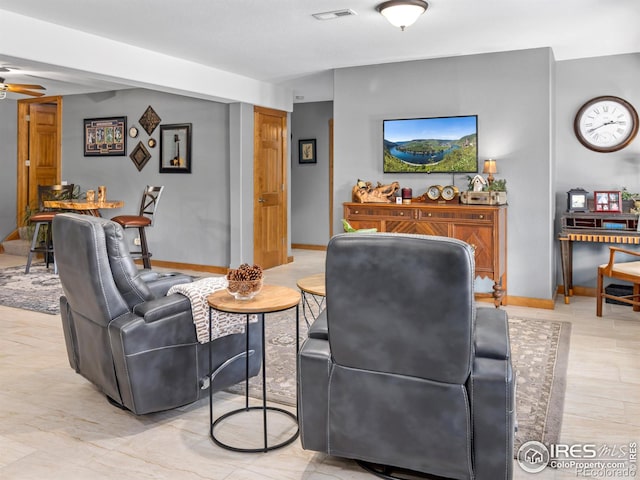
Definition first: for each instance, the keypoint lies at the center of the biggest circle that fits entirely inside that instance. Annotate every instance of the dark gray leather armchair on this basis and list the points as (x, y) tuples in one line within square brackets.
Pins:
[(137, 345), (401, 369)]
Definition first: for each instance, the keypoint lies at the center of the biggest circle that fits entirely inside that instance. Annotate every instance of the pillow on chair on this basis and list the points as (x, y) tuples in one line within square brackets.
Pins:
[(349, 229)]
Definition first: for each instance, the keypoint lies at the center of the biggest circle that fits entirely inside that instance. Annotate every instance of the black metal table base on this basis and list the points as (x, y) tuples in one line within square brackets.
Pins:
[(307, 305), (264, 407), (267, 447)]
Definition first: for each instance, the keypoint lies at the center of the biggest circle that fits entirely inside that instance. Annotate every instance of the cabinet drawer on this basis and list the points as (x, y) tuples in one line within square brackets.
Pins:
[(473, 216), (367, 211)]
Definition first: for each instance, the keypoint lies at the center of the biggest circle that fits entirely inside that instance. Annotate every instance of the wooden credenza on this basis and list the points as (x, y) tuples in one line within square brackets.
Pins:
[(483, 227)]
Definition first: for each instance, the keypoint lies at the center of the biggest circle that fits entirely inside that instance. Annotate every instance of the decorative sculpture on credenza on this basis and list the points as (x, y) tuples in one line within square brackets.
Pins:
[(364, 192)]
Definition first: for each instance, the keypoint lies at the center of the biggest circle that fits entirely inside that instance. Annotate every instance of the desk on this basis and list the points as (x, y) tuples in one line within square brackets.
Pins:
[(82, 206), (594, 228), (312, 288), (271, 299)]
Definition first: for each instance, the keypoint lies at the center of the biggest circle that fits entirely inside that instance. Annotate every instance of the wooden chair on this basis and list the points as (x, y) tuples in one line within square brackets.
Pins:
[(626, 271), (148, 206), (43, 218)]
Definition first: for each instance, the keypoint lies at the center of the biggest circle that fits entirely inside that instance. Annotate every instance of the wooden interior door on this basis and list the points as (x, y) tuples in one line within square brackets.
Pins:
[(270, 192), (39, 149)]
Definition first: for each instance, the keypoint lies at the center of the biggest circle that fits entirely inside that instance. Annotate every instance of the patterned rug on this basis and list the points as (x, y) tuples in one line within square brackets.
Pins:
[(539, 351), (39, 290)]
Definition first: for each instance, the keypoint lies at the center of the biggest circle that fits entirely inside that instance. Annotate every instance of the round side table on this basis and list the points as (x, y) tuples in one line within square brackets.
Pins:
[(313, 290), (271, 299)]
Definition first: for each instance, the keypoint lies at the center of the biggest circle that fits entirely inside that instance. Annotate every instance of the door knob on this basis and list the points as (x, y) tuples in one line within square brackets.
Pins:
[(261, 200)]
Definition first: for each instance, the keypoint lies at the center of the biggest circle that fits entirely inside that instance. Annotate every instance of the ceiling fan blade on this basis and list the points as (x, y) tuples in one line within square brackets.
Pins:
[(14, 89), (26, 85)]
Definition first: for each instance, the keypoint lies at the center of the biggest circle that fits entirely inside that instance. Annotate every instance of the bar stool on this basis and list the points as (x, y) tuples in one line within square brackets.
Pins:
[(43, 218), (148, 206)]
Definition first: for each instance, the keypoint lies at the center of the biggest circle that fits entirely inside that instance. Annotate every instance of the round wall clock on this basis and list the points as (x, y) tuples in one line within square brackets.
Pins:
[(606, 124)]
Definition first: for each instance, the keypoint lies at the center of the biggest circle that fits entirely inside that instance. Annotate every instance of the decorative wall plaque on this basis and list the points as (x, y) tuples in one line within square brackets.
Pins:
[(149, 120), (140, 156)]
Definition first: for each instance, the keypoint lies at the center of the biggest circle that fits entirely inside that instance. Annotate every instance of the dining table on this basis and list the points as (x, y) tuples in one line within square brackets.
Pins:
[(83, 206)]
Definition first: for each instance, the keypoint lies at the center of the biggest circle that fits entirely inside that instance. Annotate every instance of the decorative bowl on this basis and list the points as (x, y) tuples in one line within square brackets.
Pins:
[(244, 289)]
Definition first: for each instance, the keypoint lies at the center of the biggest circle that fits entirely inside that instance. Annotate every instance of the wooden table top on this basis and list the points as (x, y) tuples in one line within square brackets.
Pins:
[(272, 298), (313, 284), (83, 204)]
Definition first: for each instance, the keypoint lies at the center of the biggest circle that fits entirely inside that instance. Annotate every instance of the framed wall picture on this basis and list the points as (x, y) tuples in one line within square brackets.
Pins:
[(307, 151), (175, 148), (607, 201), (105, 136)]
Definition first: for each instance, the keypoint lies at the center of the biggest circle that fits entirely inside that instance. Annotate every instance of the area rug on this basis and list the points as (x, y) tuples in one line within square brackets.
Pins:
[(39, 290), (539, 351)]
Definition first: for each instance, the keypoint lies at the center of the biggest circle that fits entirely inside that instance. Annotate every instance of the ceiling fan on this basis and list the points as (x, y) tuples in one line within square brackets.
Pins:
[(22, 88)]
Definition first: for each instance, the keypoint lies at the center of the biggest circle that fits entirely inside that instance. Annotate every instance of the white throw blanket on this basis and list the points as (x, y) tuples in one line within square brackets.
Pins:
[(222, 323)]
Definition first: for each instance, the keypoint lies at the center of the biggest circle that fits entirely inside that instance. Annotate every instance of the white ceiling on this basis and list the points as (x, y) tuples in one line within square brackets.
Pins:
[(278, 41)]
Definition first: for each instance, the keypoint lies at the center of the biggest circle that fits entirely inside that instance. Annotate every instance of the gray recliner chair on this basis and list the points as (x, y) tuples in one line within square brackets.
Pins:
[(122, 333), (402, 371)]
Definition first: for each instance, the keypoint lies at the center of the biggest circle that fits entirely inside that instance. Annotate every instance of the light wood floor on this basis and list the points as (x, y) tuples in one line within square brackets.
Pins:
[(55, 425)]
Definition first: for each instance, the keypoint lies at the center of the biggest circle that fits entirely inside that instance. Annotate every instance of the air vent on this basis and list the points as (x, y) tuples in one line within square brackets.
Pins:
[(335, 14)]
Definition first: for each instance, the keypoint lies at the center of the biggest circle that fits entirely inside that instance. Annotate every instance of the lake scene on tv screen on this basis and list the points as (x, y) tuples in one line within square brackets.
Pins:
[(431, 145)]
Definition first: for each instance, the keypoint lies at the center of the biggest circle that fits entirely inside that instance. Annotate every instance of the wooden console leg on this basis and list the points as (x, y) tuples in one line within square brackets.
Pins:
[(566, 255), (498, 294)]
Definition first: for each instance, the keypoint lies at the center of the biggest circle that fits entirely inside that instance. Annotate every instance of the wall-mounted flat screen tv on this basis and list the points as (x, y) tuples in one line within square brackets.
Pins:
[(431, 145)]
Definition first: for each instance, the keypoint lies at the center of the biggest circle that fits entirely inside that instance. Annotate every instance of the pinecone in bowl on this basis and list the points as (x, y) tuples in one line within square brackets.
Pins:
[(245, 282)]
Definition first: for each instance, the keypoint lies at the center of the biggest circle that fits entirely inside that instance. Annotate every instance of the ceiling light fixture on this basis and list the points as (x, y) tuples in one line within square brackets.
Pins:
[(402, 13)]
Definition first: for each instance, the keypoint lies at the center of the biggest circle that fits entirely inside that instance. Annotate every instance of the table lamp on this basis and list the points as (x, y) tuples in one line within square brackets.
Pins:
[(490, 167)]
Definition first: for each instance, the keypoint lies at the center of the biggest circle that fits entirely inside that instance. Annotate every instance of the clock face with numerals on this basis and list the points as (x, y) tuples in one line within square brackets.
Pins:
[(606, 124)]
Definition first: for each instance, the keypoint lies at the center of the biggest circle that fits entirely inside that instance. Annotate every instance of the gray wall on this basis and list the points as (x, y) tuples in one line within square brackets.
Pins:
[(310, 181), (192, 224), (526, 103), (512, 95), (241, 182), (577, 81), (8, 155)]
